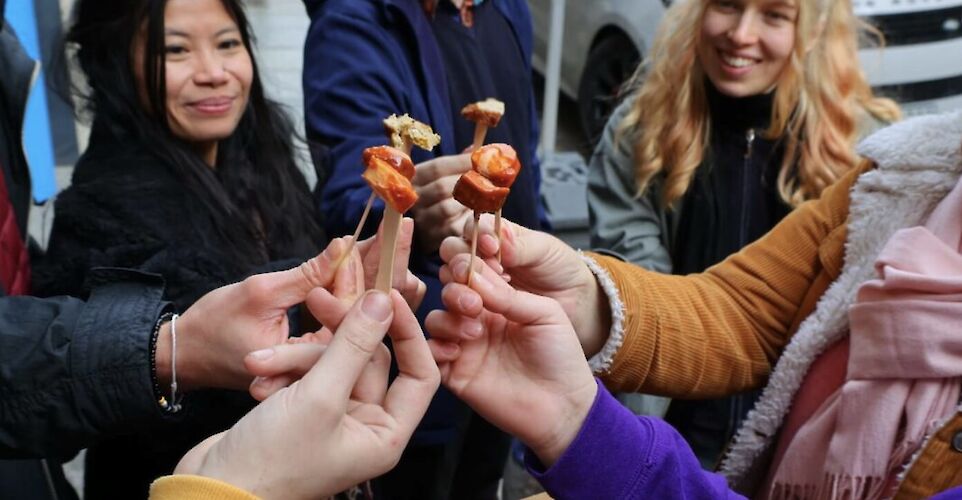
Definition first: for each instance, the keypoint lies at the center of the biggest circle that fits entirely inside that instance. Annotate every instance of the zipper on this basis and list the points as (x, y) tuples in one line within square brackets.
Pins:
[(49, 477), (746, 163)]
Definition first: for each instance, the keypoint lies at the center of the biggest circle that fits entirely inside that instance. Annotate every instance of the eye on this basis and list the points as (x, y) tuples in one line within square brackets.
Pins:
[(174, 50), (725, 6), (229, 44), (780, 16)]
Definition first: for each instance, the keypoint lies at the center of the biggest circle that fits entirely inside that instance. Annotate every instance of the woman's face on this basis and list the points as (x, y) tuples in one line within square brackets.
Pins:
[(746, 44), (209, 70)]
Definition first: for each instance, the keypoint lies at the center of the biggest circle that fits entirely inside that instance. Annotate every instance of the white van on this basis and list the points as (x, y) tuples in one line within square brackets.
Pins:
[(920, 66)]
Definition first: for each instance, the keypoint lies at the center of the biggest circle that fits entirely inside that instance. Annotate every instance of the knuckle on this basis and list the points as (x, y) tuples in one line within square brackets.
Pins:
[(259, 287)]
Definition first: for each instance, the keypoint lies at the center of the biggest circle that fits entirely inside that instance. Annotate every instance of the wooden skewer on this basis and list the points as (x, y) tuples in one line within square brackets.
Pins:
[(497, 231), (357, 232), (385, 268), (474, 245), (480, 132)]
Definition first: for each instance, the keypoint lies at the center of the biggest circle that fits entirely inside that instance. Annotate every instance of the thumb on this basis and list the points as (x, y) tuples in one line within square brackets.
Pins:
[(194, 459), (290, 287)]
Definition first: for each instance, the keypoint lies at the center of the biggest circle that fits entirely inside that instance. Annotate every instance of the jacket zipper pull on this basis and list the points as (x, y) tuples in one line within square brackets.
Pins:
[(749, 141)]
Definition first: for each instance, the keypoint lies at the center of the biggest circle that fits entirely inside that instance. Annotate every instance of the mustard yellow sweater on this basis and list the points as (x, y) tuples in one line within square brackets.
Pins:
[(720, 332), (183, 487)]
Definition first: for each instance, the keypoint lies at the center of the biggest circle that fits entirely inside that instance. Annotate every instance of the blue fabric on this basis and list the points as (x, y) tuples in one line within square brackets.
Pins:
[(618, 455), (366, 59)]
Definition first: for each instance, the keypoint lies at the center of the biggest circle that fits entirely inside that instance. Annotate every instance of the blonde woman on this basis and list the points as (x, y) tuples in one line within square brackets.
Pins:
[(743, 110)]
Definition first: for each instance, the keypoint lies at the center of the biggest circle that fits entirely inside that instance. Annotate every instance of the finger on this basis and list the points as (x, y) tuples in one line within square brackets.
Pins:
[(355, 341), (462, 300), (349, 279), (413, 291), (262, 388), (500, 298), (284, 289), (372, 384), (194, 459), (294, 359), (443, 212), (437, 190), (402, 252), (418, 378), (327, 308), (444, 352), (449, 327), (441, 167)]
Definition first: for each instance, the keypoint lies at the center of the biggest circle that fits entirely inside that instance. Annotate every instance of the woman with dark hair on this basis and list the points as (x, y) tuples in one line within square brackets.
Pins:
[(189, 174)]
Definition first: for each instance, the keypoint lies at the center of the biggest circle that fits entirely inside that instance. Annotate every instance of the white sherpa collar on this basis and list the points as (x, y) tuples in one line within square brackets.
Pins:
[(918, 162)]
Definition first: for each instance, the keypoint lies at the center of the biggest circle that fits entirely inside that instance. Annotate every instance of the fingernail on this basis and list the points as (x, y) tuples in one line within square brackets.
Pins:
[(376, 306), (461, 270), (479, 282), (262, 354), (450, 349), (468, 301), (473, 330)]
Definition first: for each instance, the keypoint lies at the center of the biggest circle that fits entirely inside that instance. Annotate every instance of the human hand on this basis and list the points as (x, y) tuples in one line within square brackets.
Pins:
[(315, 438), (223, 326), (437, 213), (541, 264), (513, 357)]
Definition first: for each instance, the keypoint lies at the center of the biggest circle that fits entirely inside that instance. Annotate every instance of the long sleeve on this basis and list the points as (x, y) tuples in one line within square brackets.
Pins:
[(719, 332), (618, 455), (634, 227), (72, 372), (183, 487), (354, 77)]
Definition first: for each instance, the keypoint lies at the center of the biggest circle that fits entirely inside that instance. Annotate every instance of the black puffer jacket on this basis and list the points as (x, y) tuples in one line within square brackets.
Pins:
[(126, 208), (70, 372)]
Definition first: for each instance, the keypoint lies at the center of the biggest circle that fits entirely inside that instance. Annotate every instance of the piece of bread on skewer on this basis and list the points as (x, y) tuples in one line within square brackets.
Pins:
[(487, 112), (404, 129)]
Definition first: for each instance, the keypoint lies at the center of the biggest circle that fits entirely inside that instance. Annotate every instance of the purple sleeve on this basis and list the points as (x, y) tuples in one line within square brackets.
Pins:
[(952, 494), (617, 454)]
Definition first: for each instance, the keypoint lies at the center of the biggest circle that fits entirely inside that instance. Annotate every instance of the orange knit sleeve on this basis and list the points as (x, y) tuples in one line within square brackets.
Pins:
[(720, 332)]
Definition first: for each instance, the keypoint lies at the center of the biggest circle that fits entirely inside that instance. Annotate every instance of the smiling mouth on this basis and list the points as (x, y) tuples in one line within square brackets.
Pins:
[(213, 105), (736, 61)]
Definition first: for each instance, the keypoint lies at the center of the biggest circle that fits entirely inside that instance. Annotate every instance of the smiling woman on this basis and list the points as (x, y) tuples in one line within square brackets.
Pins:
[(189, 174), (742, 110)]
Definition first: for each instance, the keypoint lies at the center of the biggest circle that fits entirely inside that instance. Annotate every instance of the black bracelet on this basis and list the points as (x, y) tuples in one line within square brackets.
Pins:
[(158, 396)]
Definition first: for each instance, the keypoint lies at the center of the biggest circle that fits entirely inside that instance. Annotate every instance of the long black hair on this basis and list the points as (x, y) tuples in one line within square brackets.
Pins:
[(256, 196)]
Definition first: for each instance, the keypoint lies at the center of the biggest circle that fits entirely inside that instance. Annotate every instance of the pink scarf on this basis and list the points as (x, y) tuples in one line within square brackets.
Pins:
[(903, 374)]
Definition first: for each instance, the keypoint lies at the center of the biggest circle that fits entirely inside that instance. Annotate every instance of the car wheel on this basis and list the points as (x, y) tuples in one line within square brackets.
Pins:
[(610, 64)]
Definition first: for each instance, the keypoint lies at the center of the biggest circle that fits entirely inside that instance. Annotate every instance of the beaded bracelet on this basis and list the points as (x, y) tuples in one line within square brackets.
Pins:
[(158, 395)]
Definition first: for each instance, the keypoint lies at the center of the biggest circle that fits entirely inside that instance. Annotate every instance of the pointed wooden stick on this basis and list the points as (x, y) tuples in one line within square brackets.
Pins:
[(357, 232), (474, 245), (385, 268), (497, 231), (480, 132)]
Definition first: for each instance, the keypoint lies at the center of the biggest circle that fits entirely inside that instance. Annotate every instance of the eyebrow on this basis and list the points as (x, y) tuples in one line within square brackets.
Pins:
[(176, 32), (789, 4)]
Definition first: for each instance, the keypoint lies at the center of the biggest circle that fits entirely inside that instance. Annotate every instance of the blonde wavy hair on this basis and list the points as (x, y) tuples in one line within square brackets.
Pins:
[(820, 100)]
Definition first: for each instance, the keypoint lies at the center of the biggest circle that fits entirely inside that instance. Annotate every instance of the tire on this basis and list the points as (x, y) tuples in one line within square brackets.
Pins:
[(610, 64)]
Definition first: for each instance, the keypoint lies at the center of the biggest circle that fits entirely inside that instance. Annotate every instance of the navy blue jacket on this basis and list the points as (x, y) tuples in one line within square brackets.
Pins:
[(367, 59)]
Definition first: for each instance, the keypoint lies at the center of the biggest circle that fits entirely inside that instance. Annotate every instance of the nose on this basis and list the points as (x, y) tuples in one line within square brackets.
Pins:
[(745, 31), (210, 70)]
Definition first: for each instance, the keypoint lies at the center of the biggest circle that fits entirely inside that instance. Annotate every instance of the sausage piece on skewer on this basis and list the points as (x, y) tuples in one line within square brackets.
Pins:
[(500, 164), (389, 172)]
